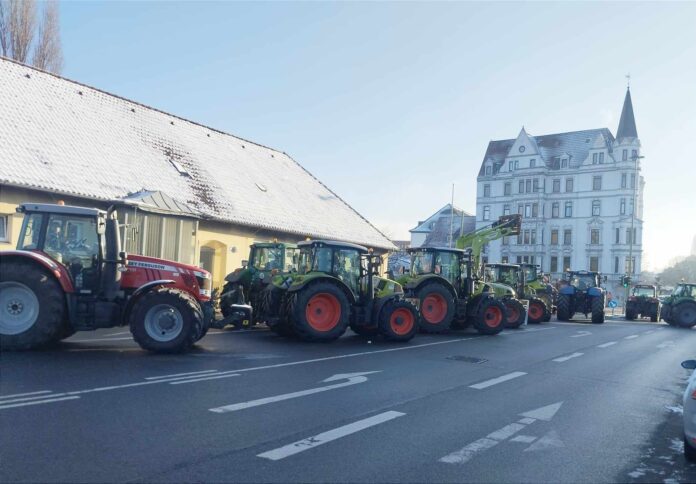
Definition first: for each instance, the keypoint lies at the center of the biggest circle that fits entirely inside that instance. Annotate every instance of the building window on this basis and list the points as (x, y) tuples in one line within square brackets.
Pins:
[(596, 208), (506, 209), (554, 237), (631, 206), (635, 238), (488, 170), (521, 186), (504, 259), (594, 236), (554, 210), (617, 236), (517, 164), (519, 238), (532, 163), (556, 185), (624, 155), (630, 263), (568, 209), (569, 184), (633, 180), (533, 236), (519, 259), (566, 263), (567, 237), (528, 186), (526, 236), (508, 188), (595, 158), (594, 264), (616, 265), (554, 264), (601, 158), (4, 228), (536, 185), (564, 163), (527, 210), (622, 210), (486, 212), (535, 210), (634, 154), (623, 180), (506, 241), (520, 209), (629, 239), (486, 190), (596, 183), (510, 165)]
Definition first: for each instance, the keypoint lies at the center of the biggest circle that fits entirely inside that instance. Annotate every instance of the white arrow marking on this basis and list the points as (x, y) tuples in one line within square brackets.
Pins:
[(325, 437), (353, 379), (548, 441), (468, 452), (581, 334)]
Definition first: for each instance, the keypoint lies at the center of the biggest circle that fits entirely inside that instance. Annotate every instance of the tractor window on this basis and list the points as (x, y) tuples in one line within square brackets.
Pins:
[(421, 263), (321, 261), (268, 258), (530, 274), (291, 259), (644, 291), (447, 265), (347, 267), (31, 231), (72, 240), (304, 260), (582, 281)]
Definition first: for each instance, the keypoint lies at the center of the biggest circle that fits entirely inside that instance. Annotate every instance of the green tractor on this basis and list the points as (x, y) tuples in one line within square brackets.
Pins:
[(643, 302), (244, 286), (337, 285), (536, 286), (441, 282), (679, 309), (513, 275)]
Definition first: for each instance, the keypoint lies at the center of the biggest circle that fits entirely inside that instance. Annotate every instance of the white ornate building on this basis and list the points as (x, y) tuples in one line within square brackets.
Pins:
[(576, 194)]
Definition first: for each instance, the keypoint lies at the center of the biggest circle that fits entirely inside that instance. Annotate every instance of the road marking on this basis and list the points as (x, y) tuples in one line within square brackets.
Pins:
[(666, 344), (631, 336), (24, 394), (468, 452), (606, 345), (649, 332), (566, 358), (525, 439), (180, 374), (36, 402), (98, 339), (325, 437), (216, 377), (38, 397), (548, 441), (353, 379), (581, 334), (495, 381)]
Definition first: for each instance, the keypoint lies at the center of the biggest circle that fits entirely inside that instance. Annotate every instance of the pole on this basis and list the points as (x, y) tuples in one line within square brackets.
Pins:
[(631, 265), (451, 217)]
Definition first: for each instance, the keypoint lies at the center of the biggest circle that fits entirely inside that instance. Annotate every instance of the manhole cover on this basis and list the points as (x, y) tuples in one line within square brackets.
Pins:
[(467, 359)]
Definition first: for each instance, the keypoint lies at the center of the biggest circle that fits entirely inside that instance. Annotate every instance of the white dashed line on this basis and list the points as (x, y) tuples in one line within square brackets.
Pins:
[(495, 381), (606, 345), (3, 397), (566, 358), (180, 374), (631, 336), (36, 402), (215, 377)]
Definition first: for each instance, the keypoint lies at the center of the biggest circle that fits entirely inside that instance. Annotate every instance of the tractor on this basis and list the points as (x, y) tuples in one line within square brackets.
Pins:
[(536, 286), (69, 274), (441, 282), (643, 302), (337, 285), (244, 286), (679, 309), (581, 293), (513, 275)]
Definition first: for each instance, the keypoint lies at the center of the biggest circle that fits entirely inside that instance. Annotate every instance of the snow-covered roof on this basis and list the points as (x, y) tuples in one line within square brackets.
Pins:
[(65, 137)]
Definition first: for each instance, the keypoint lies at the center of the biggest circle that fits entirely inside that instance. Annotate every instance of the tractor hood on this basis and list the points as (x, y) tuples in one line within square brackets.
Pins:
[(154, 263)]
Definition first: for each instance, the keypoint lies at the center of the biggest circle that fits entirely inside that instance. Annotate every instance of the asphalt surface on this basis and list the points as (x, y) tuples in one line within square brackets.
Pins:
[(557, 402)]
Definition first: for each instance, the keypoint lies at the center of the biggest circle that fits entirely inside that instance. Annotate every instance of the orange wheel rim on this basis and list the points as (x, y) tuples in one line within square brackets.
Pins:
[(323, 312), (401, 321), (493, 316), (535, 310), (434, 308), (513, 314)]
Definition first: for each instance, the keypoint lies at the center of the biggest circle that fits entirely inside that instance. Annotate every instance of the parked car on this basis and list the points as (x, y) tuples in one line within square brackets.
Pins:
[(690, 413)]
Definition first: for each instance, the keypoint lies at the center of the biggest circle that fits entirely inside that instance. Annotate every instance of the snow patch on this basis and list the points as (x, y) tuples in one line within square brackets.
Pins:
[(675, 409)]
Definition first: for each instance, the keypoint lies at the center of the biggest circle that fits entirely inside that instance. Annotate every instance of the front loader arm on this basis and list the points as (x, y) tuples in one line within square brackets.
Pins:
[(505, 226)]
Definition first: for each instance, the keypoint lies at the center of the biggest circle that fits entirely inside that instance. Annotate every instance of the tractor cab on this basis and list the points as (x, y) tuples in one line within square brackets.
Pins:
[(507, 274), (643, 291), (454, 265), (347, 262), (582, 281)]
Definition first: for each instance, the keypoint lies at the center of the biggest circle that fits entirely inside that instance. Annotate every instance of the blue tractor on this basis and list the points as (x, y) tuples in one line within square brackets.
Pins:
[(582, 293)]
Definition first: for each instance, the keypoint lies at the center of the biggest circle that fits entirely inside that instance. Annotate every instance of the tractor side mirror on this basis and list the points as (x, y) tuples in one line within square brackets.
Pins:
[(123, 261)]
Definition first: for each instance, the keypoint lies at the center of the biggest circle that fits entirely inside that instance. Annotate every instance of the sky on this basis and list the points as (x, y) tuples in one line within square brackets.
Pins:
[(389, 104)]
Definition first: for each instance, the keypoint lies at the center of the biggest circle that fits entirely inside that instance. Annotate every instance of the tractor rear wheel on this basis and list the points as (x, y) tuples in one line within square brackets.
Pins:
[(490, 318), (437, 307), (685, 314), (320, 312), (166, 320), (655, 314), (630, 314), (32, 307), (538, 311), (563, 309), (598, 310), (398, 321), (514, 313)]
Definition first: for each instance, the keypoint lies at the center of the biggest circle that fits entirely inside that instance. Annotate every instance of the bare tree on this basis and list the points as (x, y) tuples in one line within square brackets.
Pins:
[(48, 54), (24, 39)]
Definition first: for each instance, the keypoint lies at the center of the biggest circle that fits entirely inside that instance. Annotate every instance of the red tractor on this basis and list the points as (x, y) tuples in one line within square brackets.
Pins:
[(68, 274)]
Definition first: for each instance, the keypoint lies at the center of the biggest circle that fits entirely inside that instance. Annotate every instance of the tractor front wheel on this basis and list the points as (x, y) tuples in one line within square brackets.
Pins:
[(437, 308), (166, 320), (490, 318), (655, 315), (32, 307), (685, 314), (398, 321), (538, 312), (563, 310), (598, 310), (320, 312), (514, 313)]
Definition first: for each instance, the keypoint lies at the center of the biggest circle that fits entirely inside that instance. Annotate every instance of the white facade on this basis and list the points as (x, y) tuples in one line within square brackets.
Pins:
[(575, 192)]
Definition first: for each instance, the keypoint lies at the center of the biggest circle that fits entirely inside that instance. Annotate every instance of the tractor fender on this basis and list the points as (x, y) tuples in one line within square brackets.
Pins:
[(239, 275), (139, 292), (595, 292), (567, 290), (414, 286), (334, 280), (59, 271)]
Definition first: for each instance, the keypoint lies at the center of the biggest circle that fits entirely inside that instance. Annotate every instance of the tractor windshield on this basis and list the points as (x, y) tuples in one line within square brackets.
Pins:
[(347, 267), (447, 265), (530, 274), (268, 258), (582, 281), (291, 259), (304, 260), (644, 291), (502, 275), (421, 263)]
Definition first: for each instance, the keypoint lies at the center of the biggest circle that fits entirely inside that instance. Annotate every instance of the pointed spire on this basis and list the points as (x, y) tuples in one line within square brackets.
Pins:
[(627, 123)]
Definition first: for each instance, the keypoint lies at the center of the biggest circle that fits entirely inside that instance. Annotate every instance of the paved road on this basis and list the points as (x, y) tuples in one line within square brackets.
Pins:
[(557, 402)]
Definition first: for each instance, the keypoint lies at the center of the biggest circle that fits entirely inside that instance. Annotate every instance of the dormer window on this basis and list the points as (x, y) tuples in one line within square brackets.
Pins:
[(564, 162), (532, 163), (488, 170)]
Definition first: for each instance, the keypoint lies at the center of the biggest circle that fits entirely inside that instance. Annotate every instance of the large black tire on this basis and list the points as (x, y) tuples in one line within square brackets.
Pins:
[(538, 311), (630, 314), (319, 312), (398, 321), (66, 331), (598, 310), (32, 307), (514, 313), (563, 308), (166, 320), (684, 314), (490, 317), (655, 314), (437, 308), (689, 451)]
